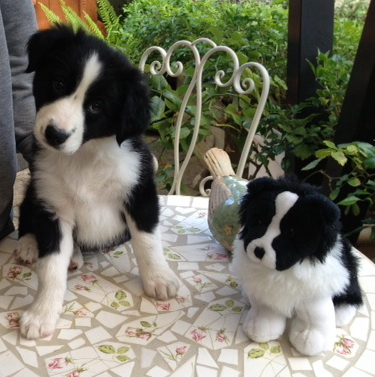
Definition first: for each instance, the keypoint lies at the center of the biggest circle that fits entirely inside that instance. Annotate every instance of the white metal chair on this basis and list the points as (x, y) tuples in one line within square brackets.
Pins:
[(240, 85)]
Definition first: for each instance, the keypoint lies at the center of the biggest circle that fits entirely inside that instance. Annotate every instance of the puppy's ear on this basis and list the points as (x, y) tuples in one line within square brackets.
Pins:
[(44, 42), (136, 112)]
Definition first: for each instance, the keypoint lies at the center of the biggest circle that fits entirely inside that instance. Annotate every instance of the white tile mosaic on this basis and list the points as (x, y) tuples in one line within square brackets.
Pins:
[(109, 328)]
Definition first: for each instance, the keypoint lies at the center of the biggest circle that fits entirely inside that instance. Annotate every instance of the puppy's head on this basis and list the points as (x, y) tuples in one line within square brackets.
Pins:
[(84, 90), (284, 222)]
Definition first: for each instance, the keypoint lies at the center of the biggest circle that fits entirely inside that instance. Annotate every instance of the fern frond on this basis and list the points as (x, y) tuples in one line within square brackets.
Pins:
[(93, 26), (73, 18), (52, 17), (107, 13)]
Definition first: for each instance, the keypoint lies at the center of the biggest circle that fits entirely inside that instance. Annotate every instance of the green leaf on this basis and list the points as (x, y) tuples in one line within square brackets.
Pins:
[(369, 163), (115, 305), (354, 182), (312, 164), (350, 200), (355, 209), (108, 349), (275, 349), (122, 350), (322, 153), (217, 307), (145, 324), (237, 309), (122, 358), (303, 151), (256, 353), (120, 295), (339, 157), (157, 108), (229, 303), (334, 193), (264, 346), (124, 303), (329, 144)]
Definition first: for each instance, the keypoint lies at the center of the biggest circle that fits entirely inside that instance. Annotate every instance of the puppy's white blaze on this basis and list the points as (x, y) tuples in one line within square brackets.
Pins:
[(284, 202), (67, 113)]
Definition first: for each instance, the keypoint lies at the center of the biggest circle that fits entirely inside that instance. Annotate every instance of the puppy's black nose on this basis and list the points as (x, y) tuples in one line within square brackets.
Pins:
[(54, 135), (259, 252)]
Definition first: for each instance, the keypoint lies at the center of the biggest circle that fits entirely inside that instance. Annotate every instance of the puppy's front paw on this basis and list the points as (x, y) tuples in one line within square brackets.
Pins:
[(27, 250), (160, 283), (263, 327), (37, 322), (308, 341)]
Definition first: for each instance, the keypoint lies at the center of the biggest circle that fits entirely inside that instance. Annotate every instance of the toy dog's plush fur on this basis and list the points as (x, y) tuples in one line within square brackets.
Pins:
[(293, 262), (92, 175)]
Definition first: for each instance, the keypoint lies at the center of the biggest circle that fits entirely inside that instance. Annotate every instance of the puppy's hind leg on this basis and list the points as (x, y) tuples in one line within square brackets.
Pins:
[(40, 319)]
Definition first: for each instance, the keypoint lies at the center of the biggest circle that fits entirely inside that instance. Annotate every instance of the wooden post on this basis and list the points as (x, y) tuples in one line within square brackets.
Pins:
[(310, 29), (357, 118)]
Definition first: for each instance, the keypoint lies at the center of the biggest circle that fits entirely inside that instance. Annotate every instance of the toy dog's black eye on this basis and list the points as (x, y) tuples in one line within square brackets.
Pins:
[(58, 86), (95, 107), (291, 233)]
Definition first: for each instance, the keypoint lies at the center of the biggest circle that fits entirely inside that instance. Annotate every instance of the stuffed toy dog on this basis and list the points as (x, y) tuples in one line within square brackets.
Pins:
[(293, 262)]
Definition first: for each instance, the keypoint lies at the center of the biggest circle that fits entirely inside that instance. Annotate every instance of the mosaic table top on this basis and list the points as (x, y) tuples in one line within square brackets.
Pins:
[(109, 328)]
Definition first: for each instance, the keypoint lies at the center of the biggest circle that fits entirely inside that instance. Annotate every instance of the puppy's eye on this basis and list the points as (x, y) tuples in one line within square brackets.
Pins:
[(95, 107), (291, 233), (58, 86)]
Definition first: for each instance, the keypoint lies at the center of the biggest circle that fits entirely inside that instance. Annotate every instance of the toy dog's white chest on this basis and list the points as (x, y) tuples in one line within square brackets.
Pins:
[(283, 291)]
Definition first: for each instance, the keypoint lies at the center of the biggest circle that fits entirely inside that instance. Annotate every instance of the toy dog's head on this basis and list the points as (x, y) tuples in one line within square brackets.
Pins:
[(284, 222)]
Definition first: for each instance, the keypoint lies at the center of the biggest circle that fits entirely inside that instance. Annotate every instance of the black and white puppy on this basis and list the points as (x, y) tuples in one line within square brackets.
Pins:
[(92, 175), (293, 262)]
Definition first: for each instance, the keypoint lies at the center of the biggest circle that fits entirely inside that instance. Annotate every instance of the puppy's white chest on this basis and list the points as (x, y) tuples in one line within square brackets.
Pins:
[(89, 190)]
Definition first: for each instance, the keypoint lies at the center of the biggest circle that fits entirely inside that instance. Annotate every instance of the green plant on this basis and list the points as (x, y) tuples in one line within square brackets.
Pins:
[(359, 181), (105, 11)]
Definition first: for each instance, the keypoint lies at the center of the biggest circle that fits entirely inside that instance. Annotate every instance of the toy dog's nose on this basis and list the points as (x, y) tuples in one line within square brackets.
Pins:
[(54, 135), (259, 252)]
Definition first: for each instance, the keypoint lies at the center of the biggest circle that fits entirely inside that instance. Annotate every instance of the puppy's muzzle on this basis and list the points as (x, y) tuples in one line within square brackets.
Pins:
[(259, 252), (55, 136)]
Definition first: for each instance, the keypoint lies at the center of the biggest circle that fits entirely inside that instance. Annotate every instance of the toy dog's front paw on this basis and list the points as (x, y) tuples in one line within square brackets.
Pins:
[(264, 326), (308, 341)]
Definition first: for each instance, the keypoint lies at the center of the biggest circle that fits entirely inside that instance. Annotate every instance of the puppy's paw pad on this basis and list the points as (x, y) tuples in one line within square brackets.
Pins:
[(161, 283), (34, 325), (27, 250)]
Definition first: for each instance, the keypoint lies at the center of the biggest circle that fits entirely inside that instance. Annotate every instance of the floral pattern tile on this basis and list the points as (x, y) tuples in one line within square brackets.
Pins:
[(109, 328)]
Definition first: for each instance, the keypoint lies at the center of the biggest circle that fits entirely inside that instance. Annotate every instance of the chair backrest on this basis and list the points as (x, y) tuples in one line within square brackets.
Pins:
[(163, 65)]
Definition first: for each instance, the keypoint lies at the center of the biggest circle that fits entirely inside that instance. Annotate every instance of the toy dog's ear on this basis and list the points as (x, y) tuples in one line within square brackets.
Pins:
[(254, 188), (44, 42), (136, 112), (258, 185), (328, 214), (327, 210)]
